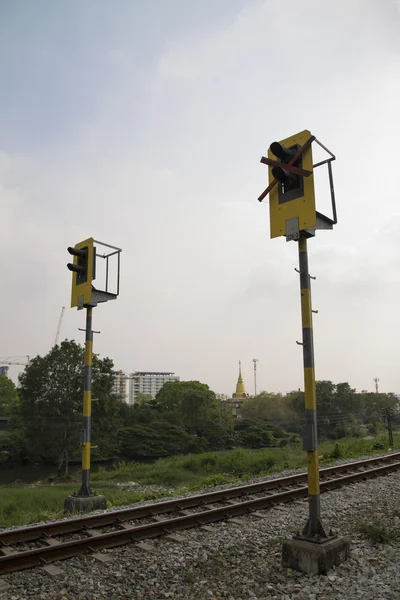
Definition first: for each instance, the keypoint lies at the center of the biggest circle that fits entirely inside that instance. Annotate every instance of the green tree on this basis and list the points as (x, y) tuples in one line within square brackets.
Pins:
[(155, 440), (254, 434), (13, 448), (273, 408), (338, 408), (51, 404), (374, 407), (195, 406), (106, 419), (142, 398), (192, 401), (51, 393), (8, 396)]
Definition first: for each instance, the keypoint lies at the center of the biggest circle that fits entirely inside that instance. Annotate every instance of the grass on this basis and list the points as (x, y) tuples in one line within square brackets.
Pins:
[(23, 505), (355, 447), (20, 505), (379, 531), (238, 464), (189, 470)]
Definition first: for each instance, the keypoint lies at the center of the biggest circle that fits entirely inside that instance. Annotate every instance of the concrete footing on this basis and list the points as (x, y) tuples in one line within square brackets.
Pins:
[(312, 557), (84, 503)]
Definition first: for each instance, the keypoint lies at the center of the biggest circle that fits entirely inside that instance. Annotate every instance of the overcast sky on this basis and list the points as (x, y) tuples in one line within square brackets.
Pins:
[(142, 124)]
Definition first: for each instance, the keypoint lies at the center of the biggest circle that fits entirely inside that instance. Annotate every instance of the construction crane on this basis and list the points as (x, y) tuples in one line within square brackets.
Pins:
[(59, 327), (15, 360)]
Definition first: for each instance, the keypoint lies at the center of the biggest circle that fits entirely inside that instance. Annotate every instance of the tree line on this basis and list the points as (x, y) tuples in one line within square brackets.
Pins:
[(341, 410), (45, 415)]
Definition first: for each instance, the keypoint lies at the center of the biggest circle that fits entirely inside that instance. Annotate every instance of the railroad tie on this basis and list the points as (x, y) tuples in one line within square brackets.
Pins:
[(124, 525), (207, 528), (92, 532), (103, 558), (4, 585), (144, 546), (52, 570), (235, 521), (258, 514), (6, 550), (51, 541)]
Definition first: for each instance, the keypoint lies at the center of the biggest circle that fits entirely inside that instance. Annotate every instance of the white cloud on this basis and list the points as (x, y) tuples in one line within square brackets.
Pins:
[(172, 175)]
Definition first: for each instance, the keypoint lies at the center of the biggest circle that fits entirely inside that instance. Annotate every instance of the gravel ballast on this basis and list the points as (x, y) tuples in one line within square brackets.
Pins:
[(237, 561)]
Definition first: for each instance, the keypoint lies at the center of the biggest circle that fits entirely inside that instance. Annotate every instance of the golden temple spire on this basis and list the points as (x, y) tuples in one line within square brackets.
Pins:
[(240, 387)]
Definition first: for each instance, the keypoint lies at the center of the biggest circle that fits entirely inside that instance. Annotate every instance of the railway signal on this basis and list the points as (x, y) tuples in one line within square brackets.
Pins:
[(85, 295), (291, 185), (293, 214)]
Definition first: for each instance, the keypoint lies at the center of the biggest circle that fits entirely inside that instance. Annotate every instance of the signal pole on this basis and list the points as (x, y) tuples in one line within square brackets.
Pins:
[(388, 415), (293, 215), (85, 295), (389, 426), (255, 361), (85, 490), (310, 434)]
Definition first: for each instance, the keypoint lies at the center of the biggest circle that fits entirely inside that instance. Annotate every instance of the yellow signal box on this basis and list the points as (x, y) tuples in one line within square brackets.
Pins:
[(292, 199), (83, 272)]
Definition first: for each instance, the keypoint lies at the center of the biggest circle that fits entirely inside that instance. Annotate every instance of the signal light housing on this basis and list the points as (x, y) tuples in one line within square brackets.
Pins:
[(284, 154), (288, 180), (80, 267), (290, 185), (83, 272)]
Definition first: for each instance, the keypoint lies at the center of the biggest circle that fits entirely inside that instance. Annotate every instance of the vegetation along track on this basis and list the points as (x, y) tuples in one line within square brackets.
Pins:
[(39, 544)]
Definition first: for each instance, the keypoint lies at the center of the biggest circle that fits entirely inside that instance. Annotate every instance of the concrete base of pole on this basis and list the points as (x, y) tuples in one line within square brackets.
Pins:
[(314, 558), (74, 504)]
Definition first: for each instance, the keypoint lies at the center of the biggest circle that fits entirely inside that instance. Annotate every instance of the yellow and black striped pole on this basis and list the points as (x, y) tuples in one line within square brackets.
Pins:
[(314, 526), (87, 407)]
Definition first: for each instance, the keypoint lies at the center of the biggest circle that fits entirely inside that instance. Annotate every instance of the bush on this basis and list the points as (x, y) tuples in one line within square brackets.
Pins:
[(219, 436), (13, 448), (254, 434), (337, 452), (155, 440), (356, 431), (379, 532), (278, 432), (372, 428), (378, 446)]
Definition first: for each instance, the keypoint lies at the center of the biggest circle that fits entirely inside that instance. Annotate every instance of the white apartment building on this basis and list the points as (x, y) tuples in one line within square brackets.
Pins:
[(119, 385), (148, 382)]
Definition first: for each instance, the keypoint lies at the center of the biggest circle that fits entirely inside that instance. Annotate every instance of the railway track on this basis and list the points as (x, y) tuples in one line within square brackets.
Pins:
[(48, 542)]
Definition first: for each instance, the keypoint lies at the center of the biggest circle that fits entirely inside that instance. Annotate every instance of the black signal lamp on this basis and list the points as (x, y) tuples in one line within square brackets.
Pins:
[(290, 185), (81, 266), (284, 154), (288, 180)]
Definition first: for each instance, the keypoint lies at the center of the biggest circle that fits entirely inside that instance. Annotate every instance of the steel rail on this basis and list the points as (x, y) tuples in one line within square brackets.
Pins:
[(14, 561), (62, 550), (74, 525)]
